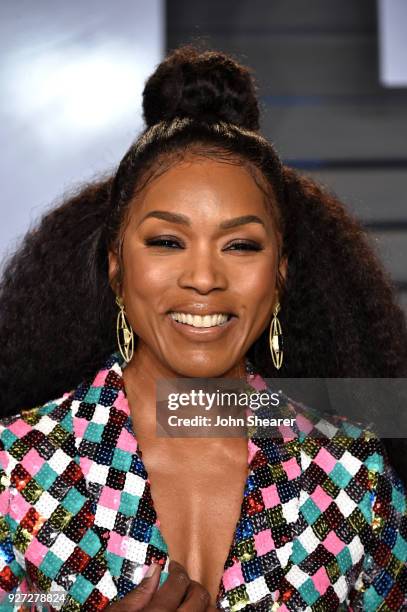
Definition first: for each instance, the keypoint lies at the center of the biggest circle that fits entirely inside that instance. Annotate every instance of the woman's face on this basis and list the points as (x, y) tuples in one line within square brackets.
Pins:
[(199, 241)]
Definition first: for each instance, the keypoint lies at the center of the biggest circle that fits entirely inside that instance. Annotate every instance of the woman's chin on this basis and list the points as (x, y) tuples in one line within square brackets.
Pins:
[(199, 369)]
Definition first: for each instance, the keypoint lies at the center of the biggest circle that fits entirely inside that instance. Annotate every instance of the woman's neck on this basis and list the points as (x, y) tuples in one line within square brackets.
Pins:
[(140, 376)]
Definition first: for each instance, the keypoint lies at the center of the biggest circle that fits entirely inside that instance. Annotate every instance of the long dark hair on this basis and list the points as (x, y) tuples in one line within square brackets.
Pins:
[(338, 308)]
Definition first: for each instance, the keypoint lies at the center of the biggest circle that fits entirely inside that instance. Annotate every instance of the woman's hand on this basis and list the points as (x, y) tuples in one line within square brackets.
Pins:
[(178, 592)]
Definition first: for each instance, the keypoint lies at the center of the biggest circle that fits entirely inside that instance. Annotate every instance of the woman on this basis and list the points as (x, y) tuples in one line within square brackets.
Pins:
[(202, 247)]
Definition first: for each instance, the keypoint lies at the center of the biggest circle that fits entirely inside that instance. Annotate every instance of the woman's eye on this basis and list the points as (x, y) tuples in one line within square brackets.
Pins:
[(173, 243), (245, 246), (163, 242)]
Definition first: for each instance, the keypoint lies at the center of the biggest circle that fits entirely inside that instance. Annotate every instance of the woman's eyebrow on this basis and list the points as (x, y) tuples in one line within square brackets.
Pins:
[(184, 220)]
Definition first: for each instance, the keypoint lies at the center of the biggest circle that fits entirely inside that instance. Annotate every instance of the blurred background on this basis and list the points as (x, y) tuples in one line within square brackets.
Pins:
[(332, 78)]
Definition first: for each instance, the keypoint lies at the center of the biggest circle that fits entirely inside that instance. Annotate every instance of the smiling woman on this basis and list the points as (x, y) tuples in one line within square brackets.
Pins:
[(211, 249), (197, 256)]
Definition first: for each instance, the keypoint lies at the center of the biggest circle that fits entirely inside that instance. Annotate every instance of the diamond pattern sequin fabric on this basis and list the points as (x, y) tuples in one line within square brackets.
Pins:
[(323, 522)]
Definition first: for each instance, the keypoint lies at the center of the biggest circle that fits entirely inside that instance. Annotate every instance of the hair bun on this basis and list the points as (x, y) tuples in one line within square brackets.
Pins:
[(208, 86)]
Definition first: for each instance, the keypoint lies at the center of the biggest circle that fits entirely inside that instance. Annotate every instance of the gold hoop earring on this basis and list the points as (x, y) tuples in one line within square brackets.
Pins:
[(124, 332), (276, 338)]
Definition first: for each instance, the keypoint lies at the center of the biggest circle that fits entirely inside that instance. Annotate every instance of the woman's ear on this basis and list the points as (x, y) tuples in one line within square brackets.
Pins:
[(282, 274), (282, 267), (114, 272)]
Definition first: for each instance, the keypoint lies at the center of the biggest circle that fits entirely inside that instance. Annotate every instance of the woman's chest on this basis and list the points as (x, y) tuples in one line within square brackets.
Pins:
[(198, 501)]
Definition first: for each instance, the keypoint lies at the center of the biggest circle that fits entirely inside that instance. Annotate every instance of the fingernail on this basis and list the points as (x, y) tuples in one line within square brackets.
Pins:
[(151, 570)]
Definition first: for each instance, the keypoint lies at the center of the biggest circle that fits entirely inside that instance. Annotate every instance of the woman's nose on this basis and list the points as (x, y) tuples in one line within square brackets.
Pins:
[(203, 272)]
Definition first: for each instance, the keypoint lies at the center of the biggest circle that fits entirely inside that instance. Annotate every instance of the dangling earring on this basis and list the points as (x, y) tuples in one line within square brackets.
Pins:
[(276, 339), (125, 340)]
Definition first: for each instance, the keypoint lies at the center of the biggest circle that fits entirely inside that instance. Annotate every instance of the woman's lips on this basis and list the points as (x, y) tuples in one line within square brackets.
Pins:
[(202, 333)]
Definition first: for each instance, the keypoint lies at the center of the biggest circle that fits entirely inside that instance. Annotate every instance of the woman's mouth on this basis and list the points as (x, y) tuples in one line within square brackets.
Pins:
[(199, 320), (204, 326)]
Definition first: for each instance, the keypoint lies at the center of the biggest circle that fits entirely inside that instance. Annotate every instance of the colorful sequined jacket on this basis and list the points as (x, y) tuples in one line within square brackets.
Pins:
[(322, 526)]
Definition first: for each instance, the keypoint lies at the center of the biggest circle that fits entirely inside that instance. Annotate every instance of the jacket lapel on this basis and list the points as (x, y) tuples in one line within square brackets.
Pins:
[(306, 509), (263, 542), (116, 480)]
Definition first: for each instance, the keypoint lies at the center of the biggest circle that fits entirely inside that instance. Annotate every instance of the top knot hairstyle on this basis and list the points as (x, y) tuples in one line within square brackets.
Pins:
[(339, 314), (208, 86)]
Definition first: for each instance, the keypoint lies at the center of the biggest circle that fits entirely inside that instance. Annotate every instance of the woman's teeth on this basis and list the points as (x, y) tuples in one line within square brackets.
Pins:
[(198, 320)]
